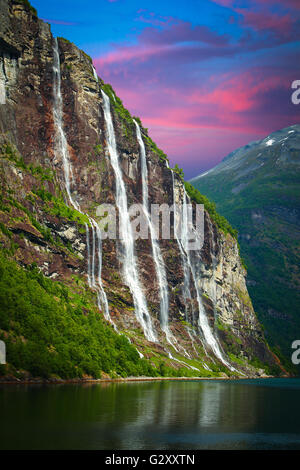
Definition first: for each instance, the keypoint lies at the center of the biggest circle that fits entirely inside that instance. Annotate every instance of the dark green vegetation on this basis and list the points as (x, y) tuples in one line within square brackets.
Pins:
[(58, 207), (221, 222), (129, 126), (28, 5), (51, 328), (52, 204), (51, 263), (257, 189), (117, 103), (210, 207), (178, 171), (55, 330)]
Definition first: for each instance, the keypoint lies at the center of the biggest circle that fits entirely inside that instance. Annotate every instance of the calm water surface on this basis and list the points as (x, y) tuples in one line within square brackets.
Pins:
[(240, 414)]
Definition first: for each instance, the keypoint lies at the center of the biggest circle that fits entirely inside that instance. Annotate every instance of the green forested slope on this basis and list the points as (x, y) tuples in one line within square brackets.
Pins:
[(257, 189)]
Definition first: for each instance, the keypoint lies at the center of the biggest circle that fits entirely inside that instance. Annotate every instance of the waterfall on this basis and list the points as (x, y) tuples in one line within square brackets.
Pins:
[(61, 145), (2, 92), (61, 149), (213, 293), (157, 256), (130, 269), (182, 362), (190, 267), (202, 318), (95, 74), (182, 242), (183, 255), (3, 79), (87, 233), (94, 246), (96, 279)]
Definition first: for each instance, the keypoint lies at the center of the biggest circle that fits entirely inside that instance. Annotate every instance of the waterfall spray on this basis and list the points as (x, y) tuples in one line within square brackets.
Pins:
[(190, 269), (61, 149), (209, 338), (95, 74), (157, 256), (182, 242), (130, 269)]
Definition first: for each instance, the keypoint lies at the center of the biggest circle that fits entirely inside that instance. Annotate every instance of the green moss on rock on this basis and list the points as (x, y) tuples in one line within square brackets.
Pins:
[(220, 221)]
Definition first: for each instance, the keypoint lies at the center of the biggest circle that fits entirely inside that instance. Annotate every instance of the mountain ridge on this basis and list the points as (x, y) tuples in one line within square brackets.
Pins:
[(245, 148), (65, 150), (256, 188)]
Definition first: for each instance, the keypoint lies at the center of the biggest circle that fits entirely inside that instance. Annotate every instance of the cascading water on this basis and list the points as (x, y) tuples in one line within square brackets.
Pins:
[(190, 268), (2, 91), (61, 149), (213, 293), (182, 242), (2, 81), (185, 264), (130, 269), (95, 74), (189, 366), (129, 262), (87, 233), (202, 318), (157, 256), (61, 145), (96, 279)]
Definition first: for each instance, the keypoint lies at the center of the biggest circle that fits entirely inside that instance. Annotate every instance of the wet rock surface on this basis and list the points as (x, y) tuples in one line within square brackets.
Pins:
[(45, 233)]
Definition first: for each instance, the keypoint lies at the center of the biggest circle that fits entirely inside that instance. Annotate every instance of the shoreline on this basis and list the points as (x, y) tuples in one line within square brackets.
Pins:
[(123, 380)]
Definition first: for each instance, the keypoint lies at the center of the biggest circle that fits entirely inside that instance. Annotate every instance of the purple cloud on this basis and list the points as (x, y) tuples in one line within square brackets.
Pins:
[(62, 22)]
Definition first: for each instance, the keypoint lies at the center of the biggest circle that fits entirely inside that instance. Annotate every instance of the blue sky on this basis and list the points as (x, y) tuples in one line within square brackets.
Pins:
[(204, 76)]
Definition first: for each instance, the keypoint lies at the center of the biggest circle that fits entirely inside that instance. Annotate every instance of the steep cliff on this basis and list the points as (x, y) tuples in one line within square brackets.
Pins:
[(67, 146)]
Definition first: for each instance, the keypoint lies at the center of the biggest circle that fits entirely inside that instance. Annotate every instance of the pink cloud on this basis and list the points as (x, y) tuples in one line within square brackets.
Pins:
[(240, 93), (260, 18), (287, 3), (180, 31), (259, 22), (151, 18), (232, 102), (196, 126), (62, 22), (178, 42), (294, 4), (283, 27), (173, 80), (199, 149)]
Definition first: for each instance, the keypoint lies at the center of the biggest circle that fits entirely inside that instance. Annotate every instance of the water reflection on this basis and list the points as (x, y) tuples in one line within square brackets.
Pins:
[(152, 415)]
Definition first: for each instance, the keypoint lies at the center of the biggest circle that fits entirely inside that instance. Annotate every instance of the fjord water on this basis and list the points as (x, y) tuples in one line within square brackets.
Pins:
[(208, 414)]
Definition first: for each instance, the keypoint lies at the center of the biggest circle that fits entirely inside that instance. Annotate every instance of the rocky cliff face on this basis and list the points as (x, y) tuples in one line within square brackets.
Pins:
[(211, 323)]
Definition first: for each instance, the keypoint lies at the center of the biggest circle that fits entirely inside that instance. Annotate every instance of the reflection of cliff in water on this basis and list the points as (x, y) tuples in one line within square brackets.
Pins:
[(153, 415)]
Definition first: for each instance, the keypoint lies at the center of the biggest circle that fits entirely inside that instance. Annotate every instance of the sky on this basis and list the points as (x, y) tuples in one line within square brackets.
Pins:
[(204, 76)]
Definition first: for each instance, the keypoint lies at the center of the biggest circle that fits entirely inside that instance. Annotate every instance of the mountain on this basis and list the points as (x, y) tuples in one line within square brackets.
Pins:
[(75, 303), (257, 189)]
